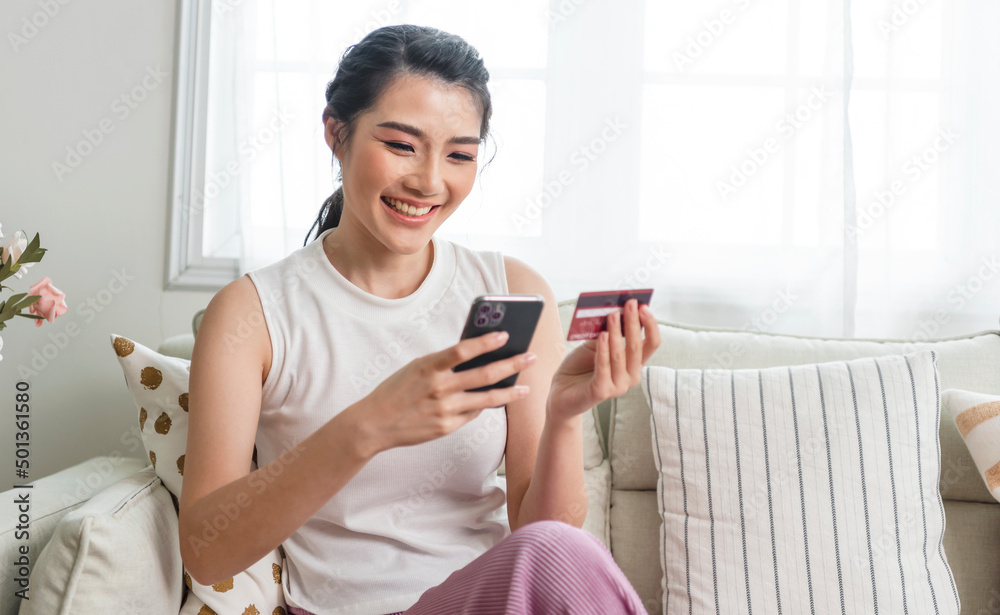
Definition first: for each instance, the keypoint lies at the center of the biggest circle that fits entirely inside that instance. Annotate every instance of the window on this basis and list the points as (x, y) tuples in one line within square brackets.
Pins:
[(735, 156)]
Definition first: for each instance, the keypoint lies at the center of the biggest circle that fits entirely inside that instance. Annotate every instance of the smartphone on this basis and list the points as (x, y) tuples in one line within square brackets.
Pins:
[(592, 309), (516, 314)]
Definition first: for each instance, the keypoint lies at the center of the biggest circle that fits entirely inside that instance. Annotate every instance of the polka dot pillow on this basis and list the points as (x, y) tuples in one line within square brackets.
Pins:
[(159, 388)]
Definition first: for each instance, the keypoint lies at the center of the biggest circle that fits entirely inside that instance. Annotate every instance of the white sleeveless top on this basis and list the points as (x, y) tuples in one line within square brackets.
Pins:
[(412, 515)]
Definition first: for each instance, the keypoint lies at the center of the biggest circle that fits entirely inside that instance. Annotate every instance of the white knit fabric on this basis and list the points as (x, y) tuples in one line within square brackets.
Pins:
[(413, 514)]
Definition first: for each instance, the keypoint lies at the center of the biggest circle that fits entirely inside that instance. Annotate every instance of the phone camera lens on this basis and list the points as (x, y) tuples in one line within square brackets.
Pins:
[(485, 308), (482, 321), (496, 316)]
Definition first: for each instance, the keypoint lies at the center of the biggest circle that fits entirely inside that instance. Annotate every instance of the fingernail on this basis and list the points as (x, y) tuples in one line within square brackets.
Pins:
[(530, 358), (501, 336), (521, 390)]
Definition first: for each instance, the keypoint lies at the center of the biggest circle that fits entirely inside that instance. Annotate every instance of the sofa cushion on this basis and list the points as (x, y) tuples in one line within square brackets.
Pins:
[(790, 487), (51, 499), (972, 543), (971, 362), (159, 387), (117, 553), (977, 417)]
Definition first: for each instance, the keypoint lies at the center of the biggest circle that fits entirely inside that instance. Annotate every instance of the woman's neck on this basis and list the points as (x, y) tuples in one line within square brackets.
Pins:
[(371, 266)]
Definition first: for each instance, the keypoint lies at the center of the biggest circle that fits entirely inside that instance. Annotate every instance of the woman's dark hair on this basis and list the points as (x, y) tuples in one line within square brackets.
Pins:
[(369, 66)]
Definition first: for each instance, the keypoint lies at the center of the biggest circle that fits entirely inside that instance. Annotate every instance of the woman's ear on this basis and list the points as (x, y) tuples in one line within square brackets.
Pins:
[(334, 134)]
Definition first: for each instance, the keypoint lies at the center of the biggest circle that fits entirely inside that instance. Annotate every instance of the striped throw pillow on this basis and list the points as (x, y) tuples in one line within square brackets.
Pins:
[(806, 489), (977, 417)]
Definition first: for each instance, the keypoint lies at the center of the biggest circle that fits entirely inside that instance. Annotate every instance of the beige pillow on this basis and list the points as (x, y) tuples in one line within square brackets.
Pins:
[(116, 553), (159, 388), (977, 416), (802, 488)]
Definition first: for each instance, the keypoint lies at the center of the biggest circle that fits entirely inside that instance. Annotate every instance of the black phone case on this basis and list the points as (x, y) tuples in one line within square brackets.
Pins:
[(519, 316)]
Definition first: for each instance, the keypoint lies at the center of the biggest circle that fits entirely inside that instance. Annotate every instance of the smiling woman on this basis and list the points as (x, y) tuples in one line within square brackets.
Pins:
[(405, 116), (410, 161)]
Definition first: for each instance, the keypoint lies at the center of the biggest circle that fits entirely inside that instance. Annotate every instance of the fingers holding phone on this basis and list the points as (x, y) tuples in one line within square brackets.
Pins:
[(516, 315), (438, 393)]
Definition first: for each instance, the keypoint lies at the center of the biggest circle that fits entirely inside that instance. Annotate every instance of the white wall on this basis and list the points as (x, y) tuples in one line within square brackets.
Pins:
[(102, 220)]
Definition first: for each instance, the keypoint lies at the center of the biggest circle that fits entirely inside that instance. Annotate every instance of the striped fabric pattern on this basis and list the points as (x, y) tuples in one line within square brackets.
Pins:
[(977, 417), (542, 567), (805, 489)]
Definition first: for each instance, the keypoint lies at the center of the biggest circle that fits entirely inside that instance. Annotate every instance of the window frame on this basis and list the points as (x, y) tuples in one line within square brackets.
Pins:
[(186, 267)]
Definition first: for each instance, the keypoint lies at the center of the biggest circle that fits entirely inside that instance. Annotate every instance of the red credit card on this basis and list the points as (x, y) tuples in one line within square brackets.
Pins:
[(592, 309)]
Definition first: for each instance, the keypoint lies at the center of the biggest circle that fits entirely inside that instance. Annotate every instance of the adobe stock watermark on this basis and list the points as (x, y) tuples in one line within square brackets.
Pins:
[(100, 476), (785, 128), (644, 273), (244, 326), (484, 428), (377, 365), (228, 512), (121, 107), (959, 296), (711, 31), (782, 301), (218, 180), (899, 16), (563, 12), (783, 472), (378, 18), (913, 170), (87, 310), (222, 8), (581, 159), (102, 471), (31, 26)]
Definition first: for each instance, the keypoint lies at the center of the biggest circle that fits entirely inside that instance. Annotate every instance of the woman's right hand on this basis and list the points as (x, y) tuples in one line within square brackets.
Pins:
[(426, 400)]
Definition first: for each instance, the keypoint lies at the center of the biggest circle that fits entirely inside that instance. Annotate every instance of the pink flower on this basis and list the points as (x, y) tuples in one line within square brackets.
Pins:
[(52, 302)]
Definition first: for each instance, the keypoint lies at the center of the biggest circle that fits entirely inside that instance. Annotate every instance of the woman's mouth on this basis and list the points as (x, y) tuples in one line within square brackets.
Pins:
[(407, 210)]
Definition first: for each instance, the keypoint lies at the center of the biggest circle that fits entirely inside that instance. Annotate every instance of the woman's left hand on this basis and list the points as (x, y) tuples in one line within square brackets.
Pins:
[(605, 367)]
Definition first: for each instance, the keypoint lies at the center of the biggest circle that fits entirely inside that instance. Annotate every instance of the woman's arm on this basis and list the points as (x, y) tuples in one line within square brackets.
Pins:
[(544, 456), (230, 518)]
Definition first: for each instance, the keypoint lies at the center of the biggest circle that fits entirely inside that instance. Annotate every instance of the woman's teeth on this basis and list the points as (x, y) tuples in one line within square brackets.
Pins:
[(403, 208)]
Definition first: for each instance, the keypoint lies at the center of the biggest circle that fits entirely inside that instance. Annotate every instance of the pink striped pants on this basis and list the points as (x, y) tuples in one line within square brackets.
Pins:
[(543, 567)]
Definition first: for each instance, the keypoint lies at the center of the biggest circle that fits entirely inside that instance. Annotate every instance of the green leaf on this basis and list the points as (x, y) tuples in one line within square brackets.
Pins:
[(12, 307), (27, 301), (6, 269), (33, 253)]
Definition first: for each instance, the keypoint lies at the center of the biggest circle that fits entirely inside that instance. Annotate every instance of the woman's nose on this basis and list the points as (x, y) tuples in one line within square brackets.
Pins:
[(426, 178)]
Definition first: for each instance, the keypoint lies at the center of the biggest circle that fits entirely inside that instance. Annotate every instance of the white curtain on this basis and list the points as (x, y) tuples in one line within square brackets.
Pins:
[(810, 167)]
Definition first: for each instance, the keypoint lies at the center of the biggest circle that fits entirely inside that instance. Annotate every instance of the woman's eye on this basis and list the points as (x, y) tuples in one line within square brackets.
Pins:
[(400, 146), (464, 157)]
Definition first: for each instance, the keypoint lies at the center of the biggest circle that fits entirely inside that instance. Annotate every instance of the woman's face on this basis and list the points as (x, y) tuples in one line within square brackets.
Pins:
[(418, 146)]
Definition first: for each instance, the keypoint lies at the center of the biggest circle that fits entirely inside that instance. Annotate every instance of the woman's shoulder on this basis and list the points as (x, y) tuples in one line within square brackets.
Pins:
[(522, 278), (232, 316), (239, 297)]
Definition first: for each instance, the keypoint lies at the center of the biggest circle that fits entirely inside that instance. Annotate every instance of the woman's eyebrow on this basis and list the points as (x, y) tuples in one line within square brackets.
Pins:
[(416, 132)]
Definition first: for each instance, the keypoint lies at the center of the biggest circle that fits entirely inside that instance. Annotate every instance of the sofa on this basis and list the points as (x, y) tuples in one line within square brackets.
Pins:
[(618, 458)]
